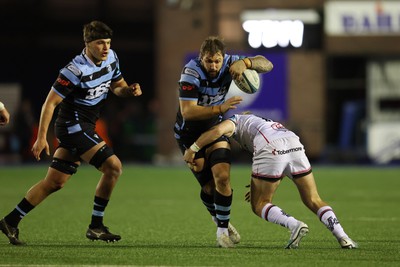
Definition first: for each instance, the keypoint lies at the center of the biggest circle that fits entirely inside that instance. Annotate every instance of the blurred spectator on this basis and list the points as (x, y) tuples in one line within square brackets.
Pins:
[(25, 127), (102, 130), (132, 128)]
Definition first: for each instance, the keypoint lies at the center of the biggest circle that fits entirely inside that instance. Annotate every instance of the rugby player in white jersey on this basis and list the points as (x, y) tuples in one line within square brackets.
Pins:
[(277, 152), (80, 91), (203, 86)]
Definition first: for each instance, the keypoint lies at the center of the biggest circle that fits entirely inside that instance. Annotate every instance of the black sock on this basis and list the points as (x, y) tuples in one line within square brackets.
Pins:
[(16, 215), (99, 206), (208, 201), (223, 209)]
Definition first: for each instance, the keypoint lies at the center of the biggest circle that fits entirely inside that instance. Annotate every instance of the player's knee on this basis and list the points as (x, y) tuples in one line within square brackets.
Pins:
[(112, 167), (55, 186), (220, 155), (52, 185), (222, 178)]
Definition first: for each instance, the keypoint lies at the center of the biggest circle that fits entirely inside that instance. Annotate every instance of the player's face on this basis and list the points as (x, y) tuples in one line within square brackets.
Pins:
[(212, 63), (98, 50)]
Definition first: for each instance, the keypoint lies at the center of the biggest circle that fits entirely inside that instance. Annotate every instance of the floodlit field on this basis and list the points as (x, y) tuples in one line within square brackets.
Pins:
[(158, 213)]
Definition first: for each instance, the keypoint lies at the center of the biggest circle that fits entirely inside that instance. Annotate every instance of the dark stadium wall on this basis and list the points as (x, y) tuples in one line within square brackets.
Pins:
[(152, 39)]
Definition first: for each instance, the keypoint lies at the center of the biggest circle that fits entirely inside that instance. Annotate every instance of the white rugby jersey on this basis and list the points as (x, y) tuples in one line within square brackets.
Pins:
[(255, 132)]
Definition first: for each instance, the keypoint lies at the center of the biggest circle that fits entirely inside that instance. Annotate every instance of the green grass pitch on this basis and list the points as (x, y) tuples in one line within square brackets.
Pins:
[(158, 213)]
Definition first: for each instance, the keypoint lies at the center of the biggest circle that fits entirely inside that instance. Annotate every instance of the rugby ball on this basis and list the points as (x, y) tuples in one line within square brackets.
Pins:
[(249, 82)]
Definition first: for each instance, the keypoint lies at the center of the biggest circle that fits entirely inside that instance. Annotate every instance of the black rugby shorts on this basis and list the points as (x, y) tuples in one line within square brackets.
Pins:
[(77, 138)]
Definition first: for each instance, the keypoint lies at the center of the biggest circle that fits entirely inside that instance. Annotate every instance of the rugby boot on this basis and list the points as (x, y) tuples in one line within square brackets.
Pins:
[(347, 243), (12, 233), (297, 234), (102, 233)]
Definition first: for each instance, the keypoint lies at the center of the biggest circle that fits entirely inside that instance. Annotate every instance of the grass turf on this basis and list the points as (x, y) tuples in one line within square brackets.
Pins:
[(158, 213)]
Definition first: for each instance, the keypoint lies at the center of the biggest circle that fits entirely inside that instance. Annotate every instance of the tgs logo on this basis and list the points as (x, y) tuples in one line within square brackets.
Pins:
[(98, 91)]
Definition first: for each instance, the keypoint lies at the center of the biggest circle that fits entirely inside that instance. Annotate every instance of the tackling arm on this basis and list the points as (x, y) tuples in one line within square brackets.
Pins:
[(226, 128)]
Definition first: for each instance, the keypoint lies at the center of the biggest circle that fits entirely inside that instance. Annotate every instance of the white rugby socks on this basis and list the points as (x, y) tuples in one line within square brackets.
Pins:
[(276, 215), (328, 217)]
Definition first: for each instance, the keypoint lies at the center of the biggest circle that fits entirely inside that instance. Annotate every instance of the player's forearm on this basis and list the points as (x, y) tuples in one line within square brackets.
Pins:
[(260, 64), (45, 118), (208, 137), (121, 88), (122, 91), (201, 113), (226, 128)]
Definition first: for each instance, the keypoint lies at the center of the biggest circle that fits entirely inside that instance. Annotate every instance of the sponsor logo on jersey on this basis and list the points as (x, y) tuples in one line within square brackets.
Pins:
[(63, 82), (191, 72), (109, 68), (277, 126), (283, 152), (74, 69), (187, 87), (98, 91)]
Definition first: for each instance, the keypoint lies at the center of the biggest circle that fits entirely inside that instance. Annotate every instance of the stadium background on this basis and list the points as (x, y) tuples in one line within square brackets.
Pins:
[(327, 81)]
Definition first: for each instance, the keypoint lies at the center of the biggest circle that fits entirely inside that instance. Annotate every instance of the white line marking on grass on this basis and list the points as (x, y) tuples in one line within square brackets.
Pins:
[(378, 219)]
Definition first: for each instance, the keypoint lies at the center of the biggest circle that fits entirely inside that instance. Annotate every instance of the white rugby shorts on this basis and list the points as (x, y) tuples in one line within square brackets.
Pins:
[(279, 158)]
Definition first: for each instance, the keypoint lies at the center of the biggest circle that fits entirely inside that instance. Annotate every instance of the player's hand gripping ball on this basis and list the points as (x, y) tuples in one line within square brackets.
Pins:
[(249, 82)]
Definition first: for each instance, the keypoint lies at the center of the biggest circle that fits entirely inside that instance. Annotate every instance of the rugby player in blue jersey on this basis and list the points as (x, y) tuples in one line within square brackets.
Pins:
[(203, 86), (80, 91)]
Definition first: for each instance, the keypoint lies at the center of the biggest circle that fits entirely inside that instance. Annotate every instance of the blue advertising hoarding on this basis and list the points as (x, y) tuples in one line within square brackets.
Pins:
[(270, 101)]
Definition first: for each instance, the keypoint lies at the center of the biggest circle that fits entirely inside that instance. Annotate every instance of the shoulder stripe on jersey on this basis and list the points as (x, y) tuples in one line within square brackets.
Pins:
[(188, 99)]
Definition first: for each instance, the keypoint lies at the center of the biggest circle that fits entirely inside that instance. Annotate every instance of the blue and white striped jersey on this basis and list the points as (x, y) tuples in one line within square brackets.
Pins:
[(195, 85), (84, 86)]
